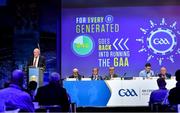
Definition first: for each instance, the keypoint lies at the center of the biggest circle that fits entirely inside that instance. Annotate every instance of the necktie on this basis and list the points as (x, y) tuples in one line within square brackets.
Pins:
[(94, 77), (34, 64)]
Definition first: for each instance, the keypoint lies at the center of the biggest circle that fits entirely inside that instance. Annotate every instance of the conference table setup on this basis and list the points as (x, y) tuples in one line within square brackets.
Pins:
[(112, 93), (129, 43), (95, 56)]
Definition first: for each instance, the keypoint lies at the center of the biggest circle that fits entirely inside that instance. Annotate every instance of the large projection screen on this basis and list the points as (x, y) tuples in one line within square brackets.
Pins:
[(123, 37)]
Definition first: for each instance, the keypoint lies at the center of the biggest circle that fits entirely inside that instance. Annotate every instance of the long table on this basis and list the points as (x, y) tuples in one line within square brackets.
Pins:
[(112, 93)]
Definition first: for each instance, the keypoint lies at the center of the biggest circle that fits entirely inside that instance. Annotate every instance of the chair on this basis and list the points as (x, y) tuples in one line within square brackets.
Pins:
[(12, 111), (178, 108), (72, 108), (154, 107), (158, 107)]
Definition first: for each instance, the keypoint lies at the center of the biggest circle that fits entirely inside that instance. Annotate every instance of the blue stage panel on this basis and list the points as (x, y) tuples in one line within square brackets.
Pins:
[(88, 93)]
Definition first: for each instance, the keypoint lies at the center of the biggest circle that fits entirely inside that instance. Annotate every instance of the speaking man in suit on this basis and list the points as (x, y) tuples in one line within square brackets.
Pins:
[(38, 61), (95, 74)]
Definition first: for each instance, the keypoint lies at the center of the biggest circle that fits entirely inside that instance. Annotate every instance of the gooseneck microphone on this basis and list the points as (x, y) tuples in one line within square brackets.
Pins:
[(124, 74)]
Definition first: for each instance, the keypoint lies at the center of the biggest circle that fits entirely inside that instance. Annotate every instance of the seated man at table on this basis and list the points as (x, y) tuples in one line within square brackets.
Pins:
[(76, 74), (158, 96), (95, 74), (111, 74), (147, 72), (53, 93), (163, 73)]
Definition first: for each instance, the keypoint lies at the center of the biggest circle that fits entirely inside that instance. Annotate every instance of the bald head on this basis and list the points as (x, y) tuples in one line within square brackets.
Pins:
[(17, 77), (75, 72), (163, 70), (54, 77), (36, 52)]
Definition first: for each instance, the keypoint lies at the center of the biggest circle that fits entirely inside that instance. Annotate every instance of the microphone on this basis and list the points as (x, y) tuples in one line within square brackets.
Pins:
[(38, 46), (124, 75), (147, 74), (156, 75)]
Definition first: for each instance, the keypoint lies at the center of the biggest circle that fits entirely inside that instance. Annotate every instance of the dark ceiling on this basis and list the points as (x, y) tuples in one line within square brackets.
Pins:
[(115, 3)]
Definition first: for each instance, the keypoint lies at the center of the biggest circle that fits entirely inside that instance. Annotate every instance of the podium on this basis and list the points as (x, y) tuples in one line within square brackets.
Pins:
[(36, 74)]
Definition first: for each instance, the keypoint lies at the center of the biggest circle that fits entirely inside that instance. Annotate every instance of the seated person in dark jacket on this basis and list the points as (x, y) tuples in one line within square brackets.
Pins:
[(95, 74), (76, 74), (174, 94), (158, 96), (163, 73), (53, 93), (111, 74)]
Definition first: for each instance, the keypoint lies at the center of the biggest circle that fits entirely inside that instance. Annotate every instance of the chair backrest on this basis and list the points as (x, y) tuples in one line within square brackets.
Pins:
[(13, 111), (178, 108), (158, 107), (155, 107), (73, 107)]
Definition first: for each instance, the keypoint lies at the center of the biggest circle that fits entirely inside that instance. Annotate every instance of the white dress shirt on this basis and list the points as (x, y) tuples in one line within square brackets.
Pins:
[(37, 60)]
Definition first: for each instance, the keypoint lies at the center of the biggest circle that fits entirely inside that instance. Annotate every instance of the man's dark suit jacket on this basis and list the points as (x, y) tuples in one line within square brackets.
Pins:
[(109, 76), (52, 94), (78, 77), (41, 62), (168, 76), (98, 78)]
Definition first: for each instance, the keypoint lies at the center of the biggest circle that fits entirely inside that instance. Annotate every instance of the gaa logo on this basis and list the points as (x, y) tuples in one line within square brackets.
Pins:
[(83, 45), (127, 92), (161, 41)]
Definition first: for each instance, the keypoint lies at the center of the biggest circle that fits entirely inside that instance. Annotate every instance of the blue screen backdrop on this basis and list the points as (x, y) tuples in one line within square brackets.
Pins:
[(123, 37)]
